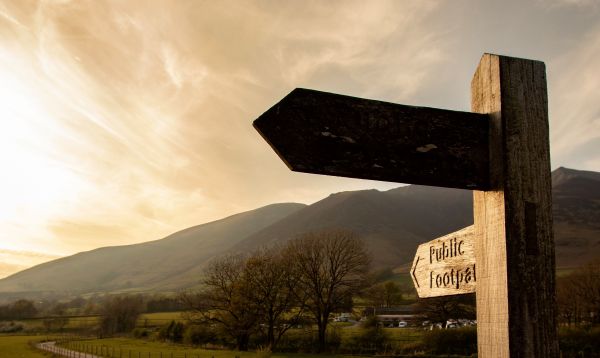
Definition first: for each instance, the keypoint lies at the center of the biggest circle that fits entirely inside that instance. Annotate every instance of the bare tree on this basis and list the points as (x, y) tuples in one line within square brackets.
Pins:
[(271, 280), (331, 267), (22, 309), (392, 293), (225, 300), (578, 294), (587, 286), (383, 294), (570, 305), (119, 314)]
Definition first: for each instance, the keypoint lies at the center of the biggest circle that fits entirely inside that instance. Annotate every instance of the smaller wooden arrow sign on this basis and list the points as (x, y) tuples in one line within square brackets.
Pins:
[(446, 266)]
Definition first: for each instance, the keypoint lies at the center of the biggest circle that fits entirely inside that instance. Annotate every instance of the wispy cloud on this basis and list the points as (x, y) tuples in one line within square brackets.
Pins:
[(122, 122), (12, 261), (576, 109)]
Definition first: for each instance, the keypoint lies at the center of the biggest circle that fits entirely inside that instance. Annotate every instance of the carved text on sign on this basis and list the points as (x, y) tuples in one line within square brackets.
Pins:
[(446, 265)]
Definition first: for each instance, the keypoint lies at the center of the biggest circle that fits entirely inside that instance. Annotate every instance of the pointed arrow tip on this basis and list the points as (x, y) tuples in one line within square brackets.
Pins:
[(413, 272)]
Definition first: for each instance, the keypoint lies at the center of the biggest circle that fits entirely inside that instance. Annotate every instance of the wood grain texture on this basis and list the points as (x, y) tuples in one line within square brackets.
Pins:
[(516, 304), (325, 133), (446, 265)]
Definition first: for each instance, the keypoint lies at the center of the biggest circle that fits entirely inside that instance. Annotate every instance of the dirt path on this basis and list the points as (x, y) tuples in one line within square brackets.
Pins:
[(52, 347)]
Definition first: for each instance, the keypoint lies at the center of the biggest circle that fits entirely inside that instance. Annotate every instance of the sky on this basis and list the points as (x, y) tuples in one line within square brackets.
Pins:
[(125, 121)]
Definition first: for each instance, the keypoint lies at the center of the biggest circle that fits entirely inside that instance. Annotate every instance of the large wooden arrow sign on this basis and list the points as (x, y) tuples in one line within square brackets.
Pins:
[(500, 151), (325, 133), (446, 266)]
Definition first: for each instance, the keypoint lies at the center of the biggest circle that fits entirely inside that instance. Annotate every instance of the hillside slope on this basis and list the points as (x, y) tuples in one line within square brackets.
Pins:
[(392, 223), (576, 212), (142, 266)]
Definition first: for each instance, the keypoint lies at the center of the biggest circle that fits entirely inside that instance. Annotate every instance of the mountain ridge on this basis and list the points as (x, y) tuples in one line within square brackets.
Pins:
[(108, 260), (392, 223)]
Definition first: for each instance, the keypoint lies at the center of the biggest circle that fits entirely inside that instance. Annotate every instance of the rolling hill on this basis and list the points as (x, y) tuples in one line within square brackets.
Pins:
[(142, 266), (392, 223), (576, 212)]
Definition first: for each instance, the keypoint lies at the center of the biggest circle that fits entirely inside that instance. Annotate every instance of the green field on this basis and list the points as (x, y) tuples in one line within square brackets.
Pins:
[(19, 347), (124, 347), (145, 320), (73, 323), (158, 318)]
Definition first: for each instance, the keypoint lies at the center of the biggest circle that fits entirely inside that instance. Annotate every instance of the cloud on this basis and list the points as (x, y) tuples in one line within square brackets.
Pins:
[(12, 261), (575, 109), (9, 269), (570, 3), (132, 120)]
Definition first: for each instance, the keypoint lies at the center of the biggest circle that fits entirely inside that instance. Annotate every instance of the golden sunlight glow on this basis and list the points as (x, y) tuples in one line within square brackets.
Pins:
[(33, 186), (125, 121)]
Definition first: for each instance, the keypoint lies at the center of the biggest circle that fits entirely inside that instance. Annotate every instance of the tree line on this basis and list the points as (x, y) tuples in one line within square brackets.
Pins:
[(272, 290), (578, 295), (79, 306), (20, 309)]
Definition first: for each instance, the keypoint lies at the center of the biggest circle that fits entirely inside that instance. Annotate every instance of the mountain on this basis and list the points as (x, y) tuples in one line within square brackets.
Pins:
[(146, 265), (392, 223), (576, 212), (395, 222)]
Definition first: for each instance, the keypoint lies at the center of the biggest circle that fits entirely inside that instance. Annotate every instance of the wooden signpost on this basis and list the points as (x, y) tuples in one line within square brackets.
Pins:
[(446, 266), (500, 151)]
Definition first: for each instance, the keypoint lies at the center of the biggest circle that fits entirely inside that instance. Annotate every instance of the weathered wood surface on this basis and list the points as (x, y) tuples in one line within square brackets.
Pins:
[(446, 265), (516, 308), (502, 153), (324, 133)]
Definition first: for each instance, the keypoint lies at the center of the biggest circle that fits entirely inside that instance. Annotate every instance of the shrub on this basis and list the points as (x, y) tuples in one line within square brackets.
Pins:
[(579, 342), (298, 341), (172, 332), (334, 339), (371, 339), (55, 323), (141, 333), (451, 341), (199, 334), (263, 352), (119, 314), (10, 327)]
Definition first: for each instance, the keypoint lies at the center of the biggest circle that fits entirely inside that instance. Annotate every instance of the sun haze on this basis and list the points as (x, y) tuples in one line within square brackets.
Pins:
[(124, 121)]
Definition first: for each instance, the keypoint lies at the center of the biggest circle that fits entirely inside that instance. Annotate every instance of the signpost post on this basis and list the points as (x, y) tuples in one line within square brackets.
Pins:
[(500, 150)]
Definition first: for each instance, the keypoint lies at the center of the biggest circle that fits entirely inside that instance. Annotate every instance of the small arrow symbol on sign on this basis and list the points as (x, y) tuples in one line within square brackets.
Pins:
[(413, 271)]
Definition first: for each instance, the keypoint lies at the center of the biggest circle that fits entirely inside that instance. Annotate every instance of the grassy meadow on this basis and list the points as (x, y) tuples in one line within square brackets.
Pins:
[(82, 322), (125, 347), (20, 347)]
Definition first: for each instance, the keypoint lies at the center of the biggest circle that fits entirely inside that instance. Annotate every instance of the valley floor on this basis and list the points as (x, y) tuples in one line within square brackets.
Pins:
[(20, 347)]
